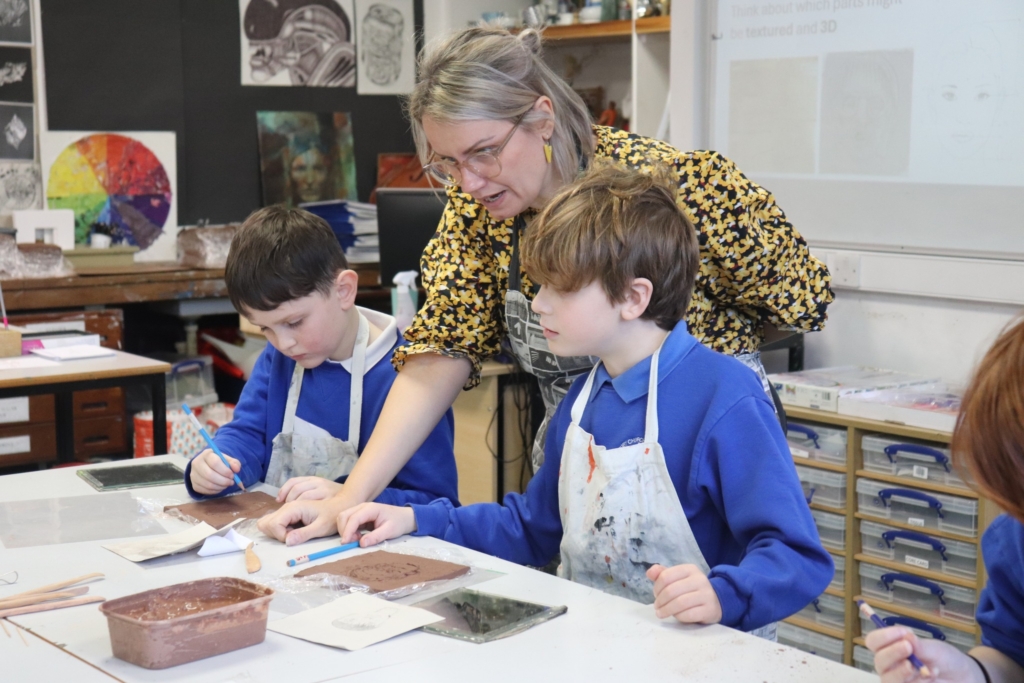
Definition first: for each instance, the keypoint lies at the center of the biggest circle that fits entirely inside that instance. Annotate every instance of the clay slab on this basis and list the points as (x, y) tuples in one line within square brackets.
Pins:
[(385, 571), (219, 512)]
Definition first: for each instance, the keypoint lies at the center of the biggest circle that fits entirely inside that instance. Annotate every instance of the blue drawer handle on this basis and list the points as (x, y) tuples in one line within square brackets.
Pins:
[(816, 606), (806, 431), (178, 367), (915, 623), (886, 494), (936, 545), (936, 589), (940, 457), (810, 495)]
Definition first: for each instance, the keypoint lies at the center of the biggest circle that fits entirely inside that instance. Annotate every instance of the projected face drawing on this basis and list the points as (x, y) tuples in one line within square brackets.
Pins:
[(308, 38), (381, 43), (308, 174), (964, 97)]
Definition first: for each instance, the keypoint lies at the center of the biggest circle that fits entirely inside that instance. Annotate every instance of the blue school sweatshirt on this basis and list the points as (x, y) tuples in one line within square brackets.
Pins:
[(727, 458), (323, 403), (1001, 606)]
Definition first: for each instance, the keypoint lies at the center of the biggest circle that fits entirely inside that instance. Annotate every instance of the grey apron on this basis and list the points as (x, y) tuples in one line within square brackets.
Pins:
[(300, 455)]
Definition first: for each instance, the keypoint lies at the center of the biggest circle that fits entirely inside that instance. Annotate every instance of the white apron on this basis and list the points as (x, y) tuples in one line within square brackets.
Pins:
[(620, 511), (300, 455)]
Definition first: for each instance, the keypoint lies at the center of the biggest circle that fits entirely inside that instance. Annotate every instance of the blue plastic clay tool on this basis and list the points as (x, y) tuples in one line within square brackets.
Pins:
[(323, 553), (866, 610), (209, 442)]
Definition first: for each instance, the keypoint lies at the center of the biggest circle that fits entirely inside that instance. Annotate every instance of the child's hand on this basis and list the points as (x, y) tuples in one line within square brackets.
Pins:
[(209, 476), (308, 488), (893, 645), (315, 518), (684, 592), (388, 522)]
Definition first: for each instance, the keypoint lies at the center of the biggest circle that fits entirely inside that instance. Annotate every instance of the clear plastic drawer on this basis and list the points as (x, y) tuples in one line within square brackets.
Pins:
[(863, 659), (809, 641), (959, 639), (910, 460), (831, 529), (827, 610), (917, 549), (823, 488), (915, 507), (936, 597), (839, 578), (817, 442)]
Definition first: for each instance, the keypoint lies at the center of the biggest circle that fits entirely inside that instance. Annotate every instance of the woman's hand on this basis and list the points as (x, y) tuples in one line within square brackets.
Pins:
[(315, 518), (388, 522), (209, 476), (684, 592), (308, 488), (946, 664)]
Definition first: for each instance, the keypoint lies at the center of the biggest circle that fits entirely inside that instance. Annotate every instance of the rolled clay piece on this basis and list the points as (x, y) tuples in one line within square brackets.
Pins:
[(219, 512), (385, 571)]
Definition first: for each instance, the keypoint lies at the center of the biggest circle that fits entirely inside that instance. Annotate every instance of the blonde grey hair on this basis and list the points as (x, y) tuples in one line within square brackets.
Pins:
[(487, 73)]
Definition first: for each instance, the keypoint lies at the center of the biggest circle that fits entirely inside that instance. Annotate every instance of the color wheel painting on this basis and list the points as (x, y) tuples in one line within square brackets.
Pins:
[(112, 179)]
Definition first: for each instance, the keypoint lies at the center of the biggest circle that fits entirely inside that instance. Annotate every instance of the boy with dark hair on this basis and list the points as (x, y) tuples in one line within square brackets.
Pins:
[(317, 390), (667, 479)]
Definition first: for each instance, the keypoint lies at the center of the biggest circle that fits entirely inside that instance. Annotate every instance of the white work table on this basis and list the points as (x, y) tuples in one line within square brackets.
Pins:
[(600, 638)]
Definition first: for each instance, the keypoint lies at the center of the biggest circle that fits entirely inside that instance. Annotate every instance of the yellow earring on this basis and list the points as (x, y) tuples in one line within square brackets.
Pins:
[(547, 151)]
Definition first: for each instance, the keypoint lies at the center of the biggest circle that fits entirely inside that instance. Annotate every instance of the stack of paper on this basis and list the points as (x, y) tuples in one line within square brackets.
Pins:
[(931, 406), (355, 224), (822, 388)]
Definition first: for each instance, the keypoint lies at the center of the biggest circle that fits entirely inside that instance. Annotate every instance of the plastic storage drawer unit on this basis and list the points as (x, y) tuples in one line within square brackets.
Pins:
[(915, 507), (916, 549), (823, 488), (809, 641), (909, 460), (958, 639), (839, 578), (831, 529), (863, 659), (935, 597), (827, 610), (817, 442)]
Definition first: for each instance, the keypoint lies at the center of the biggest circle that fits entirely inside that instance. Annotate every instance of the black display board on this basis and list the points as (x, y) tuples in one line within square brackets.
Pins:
[(174, 65)]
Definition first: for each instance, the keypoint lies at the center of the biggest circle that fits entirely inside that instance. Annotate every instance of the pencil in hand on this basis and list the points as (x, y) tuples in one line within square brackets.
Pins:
[(209, 442), (866, 610)]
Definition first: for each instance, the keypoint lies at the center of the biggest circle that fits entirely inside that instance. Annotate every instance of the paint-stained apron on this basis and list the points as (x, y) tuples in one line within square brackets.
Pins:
[(620, 511), (301, 455), (554, 374)]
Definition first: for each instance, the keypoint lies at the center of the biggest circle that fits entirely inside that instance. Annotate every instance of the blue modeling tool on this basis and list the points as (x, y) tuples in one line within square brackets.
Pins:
[(209, 442), (866, 610), (323, 553)]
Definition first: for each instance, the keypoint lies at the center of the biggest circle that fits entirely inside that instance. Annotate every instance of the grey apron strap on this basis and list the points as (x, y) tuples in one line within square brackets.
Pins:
[(294, 388), (355, 399)]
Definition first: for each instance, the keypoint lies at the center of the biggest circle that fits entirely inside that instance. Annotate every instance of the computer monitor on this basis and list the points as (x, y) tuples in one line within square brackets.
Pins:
[(406, 220)]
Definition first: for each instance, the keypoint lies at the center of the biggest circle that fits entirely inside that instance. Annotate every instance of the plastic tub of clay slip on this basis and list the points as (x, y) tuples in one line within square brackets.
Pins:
[(187, 621)]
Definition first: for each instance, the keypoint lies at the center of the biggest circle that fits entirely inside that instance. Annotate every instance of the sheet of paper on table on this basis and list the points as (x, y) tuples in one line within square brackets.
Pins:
[(353, 622), (202, 533), (76, 352)]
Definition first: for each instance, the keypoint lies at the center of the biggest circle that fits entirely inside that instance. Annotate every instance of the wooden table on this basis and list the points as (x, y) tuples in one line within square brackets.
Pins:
[(121, 369)]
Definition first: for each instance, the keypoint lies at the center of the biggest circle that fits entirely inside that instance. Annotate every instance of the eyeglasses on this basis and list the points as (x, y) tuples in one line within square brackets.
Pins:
[(484, 164)]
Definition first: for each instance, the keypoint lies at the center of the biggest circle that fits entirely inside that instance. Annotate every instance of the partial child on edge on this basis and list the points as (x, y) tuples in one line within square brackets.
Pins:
[(679, 492), (317, 390)]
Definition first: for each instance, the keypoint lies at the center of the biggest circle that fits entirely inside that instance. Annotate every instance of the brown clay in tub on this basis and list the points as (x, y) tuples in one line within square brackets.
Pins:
[(187, 621)]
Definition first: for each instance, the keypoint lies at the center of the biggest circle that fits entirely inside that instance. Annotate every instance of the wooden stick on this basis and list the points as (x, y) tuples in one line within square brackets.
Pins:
[(252, 561), (21, 635), (3, 623), (58, 585), (8, 603), (47, 606)]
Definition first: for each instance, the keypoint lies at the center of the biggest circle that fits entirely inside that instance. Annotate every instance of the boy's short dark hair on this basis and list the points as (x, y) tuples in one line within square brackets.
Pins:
[(615, 224), (279, 255)]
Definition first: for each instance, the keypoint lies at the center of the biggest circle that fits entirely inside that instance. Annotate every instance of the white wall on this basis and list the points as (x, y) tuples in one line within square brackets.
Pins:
[(441, 16), (914, 334)]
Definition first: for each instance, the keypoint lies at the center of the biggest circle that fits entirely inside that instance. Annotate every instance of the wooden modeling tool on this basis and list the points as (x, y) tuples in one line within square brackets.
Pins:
[(866, 610), (58, 585), (49, 597), (252, 562), (34, 598), (47, 606)]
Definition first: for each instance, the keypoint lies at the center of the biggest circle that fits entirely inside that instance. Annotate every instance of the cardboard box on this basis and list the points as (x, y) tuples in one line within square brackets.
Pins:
[(821, 389), (929, 406)]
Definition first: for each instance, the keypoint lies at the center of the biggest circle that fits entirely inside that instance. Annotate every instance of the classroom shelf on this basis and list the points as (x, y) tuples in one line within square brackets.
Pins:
[(930, 617), (805, 462), (814, 626), (917, 484), (917, 571), (653, 24), (836, 592), (620, 29), (827, 508), (866, 425), (929, 531)]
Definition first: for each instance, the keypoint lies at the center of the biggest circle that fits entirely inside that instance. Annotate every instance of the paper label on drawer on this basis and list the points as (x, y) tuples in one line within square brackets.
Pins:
[(915, 521), (915, 561), (920, 472), (16, 444), (14, 409), (799, 452)]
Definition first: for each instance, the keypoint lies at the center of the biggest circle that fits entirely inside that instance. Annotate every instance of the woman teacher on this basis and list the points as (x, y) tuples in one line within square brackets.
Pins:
[(503, 132)]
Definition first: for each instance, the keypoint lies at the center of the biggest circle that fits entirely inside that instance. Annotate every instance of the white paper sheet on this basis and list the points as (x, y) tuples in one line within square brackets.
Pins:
[(231, 542), (148, 548), (75, 352), (353, 622)]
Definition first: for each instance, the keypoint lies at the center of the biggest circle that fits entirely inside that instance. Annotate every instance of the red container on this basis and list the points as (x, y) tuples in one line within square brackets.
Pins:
[(187, 621)]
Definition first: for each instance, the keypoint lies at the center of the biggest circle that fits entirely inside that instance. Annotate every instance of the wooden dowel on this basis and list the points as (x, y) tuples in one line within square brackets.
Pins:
[(47, 606), (58, 585), (35, 598)]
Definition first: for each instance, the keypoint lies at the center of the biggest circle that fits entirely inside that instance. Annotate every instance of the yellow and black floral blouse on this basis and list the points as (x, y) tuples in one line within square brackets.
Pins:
[(755, 267)]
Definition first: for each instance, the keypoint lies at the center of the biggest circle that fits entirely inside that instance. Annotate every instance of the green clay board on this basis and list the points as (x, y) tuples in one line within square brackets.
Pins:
[(133, 476)]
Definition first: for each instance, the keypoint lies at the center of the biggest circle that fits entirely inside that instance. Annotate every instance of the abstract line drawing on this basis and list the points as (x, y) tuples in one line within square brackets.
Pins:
[(19, 134), (386, 46), (20, 187), (16, 84), (298, 43), (12, 72), (15, 21)]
